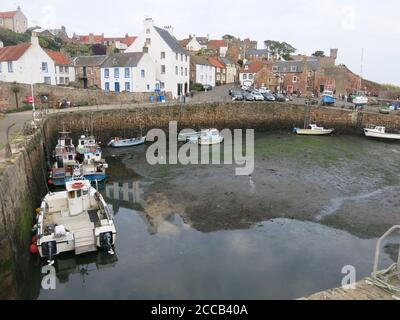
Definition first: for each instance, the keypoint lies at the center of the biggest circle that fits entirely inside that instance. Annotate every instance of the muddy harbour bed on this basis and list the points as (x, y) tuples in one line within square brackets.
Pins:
[(312, 206)]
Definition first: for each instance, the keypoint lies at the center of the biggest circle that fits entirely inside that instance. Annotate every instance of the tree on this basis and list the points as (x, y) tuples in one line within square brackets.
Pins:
[(15, 89), (228, 37), (284, 49), (319, 54), (240, 62), (98, 49), (116, 50)]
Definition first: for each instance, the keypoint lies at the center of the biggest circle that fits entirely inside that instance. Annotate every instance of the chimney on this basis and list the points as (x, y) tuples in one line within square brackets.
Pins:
[(34, 39), (19, 8), (334, 53), (145, 48)]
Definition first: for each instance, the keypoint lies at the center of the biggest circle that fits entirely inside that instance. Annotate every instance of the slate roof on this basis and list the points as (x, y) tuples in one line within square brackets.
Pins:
[(170, 40), (286, 66), (257, 52), (89, 61), (199, 60), (13, 53), (226, 60), (121, 60)]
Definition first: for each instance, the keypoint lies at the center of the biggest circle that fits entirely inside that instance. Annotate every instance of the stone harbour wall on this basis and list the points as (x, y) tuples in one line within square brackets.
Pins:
[(22, 186), (131, 121), (82, 97)]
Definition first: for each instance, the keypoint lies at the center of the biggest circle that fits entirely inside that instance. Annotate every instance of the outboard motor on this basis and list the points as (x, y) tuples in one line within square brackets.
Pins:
[(106, 242), (50, 250)]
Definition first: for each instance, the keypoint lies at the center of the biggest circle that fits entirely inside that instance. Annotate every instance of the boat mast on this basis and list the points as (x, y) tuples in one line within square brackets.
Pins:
[(361, 70)]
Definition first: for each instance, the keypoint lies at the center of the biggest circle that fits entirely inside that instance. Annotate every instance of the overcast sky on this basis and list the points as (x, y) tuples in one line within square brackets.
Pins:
[(308, 25)]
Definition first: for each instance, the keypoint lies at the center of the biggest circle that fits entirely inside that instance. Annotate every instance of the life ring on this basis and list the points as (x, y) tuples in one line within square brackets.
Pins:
[(78, 185)]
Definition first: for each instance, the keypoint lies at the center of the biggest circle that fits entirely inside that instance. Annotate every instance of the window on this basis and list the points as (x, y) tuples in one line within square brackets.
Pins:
[(162, 85), (66, 80), (275, 68), (244, 76), (106, 73), (148, 87), (44, 67), (163, 69), (181, 57), (107, 86), (181, 71), (47, 80), (10, 66), (176, 56), (142, 73), (186, 57), (61, 80), (176, 70), (127, 86), (186, 71), (293, 68), (147, 31), (61, 69), (116, 73), (250, 76), (127, 72), (295, 79), (148, 41), (163, 55)]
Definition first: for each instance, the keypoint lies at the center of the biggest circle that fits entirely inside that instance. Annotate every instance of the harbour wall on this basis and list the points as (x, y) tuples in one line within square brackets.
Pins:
[(131, 121), (22, 186)]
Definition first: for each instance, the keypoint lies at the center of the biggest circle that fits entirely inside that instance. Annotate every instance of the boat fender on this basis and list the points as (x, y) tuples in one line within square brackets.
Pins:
[(33, 239), (33, 249), (50, 182)]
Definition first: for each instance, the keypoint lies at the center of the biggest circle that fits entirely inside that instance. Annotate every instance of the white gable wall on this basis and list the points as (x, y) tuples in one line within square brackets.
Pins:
[(169, 79)]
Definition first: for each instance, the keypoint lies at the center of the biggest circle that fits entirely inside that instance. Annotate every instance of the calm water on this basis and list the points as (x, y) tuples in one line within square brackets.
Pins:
[(282, 253)]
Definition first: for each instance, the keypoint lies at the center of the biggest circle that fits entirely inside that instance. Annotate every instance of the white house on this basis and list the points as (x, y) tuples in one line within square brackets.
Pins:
[(196, 44), (130, 72), (171, 60), (63, 71), (248, 72), (27, 63), (201, 71)]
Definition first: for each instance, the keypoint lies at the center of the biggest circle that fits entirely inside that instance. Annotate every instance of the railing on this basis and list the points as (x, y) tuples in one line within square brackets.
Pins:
[(378, 250)]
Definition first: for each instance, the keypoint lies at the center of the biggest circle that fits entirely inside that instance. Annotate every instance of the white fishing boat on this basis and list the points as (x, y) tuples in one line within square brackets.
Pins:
[(204, 137), (360, 99), (77, 219), (124, 143), (314, 130), (86, 142), (380, 133)]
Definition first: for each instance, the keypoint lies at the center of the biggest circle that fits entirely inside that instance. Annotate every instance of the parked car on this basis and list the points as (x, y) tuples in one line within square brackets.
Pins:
[(207, 87), (268, 96), (280, 97), (263, 90), (245, 88), (237, 96), (247, 96), (257, 96)]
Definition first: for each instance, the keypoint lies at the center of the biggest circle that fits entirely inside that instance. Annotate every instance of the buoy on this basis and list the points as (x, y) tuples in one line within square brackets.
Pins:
[(33, 248), (50, 182)]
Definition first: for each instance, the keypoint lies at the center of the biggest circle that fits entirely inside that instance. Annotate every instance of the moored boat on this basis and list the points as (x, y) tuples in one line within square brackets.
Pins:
[(360, 99), (77, 219), (314, 130), (328, 98), (204, 137), (124, 143), (380, 133)]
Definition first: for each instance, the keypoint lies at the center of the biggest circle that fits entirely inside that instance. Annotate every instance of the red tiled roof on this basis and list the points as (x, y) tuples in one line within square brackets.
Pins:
[(13, 53), (184, 42), (217, 43), (58, 58), (125, 40), (8, 14), (215, 62), (86, 39), (254, 67)]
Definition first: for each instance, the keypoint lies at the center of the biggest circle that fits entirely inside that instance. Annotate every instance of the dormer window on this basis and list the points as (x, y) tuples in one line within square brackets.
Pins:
[(147, 31), (275, 68), (148, 41), (246, 67), (293, 68)]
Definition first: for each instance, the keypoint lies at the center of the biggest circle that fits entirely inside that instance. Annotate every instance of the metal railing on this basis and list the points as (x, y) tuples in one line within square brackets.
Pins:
[(378, 251)]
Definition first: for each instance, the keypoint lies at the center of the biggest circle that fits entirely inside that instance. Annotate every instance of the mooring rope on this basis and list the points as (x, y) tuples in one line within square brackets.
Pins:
[(380, 280)]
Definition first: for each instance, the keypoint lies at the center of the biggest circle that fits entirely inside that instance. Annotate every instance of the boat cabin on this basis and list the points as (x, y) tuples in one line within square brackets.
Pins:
[(209, 134), (380, 129), (92, 154)]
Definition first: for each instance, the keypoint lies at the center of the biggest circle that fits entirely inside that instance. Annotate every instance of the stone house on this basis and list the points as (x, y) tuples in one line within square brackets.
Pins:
[(88, 70), (14, 20), (220, 70)]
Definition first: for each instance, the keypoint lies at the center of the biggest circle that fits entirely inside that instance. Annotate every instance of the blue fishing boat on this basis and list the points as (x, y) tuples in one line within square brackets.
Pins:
[(328, 98)]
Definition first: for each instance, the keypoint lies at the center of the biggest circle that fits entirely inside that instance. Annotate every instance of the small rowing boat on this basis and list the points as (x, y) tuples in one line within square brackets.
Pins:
[(124, 143)]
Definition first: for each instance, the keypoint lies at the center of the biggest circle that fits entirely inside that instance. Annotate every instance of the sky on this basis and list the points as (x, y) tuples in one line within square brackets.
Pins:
[(308, 25)]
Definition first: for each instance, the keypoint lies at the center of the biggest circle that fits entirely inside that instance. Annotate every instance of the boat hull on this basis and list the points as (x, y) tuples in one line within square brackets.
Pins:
[(378, 135), (309, 132), (126, 143), (327, 100)]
